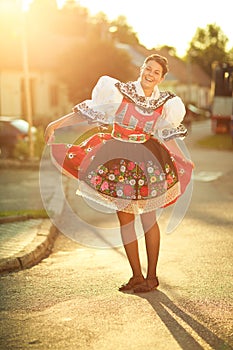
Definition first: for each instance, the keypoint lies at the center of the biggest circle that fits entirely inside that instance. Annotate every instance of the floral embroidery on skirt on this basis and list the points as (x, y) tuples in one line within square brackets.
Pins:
[(144, 174), (131, 171)]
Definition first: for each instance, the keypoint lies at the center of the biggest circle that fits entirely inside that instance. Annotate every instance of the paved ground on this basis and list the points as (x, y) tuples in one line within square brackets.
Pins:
[(24, 242), (15, 236), (19, 189), (70, 300), (33, 190)]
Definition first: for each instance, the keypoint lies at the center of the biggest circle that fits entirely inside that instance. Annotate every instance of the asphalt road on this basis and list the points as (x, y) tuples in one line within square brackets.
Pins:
[(71, 300), (19, 190)]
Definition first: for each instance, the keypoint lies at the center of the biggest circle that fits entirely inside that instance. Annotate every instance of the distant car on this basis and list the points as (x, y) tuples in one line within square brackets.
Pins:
[(12, 129)]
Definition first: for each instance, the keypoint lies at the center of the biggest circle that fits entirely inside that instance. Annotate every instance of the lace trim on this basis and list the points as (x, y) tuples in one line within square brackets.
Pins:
[(90, 114), (168, 134), (129, 206), (129, 91)]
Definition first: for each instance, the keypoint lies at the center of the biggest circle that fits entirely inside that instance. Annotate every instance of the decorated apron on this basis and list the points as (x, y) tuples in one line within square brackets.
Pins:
[(126, 169)]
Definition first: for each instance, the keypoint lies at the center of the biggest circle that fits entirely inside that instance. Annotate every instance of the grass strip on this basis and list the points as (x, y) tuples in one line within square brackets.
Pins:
[(219, 142), (34, 214)]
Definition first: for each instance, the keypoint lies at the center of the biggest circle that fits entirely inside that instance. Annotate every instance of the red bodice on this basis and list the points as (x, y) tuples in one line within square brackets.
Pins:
[(133, 123)]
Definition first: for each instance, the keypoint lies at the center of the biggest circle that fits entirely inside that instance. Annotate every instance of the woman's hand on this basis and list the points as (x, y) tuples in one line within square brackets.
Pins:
[(49, 134)]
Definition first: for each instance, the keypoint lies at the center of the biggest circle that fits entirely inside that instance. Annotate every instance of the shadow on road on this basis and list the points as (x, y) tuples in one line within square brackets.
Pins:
[(181, 325)]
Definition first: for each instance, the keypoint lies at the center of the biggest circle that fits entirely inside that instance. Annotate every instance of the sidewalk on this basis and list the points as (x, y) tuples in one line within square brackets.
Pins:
[(24, 242)]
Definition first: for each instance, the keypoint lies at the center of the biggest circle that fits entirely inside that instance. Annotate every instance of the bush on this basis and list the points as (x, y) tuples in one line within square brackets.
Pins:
[(21, 150)]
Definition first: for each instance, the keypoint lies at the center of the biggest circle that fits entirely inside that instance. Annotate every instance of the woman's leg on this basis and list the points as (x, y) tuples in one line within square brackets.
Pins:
[(152, 238), (130, 241)]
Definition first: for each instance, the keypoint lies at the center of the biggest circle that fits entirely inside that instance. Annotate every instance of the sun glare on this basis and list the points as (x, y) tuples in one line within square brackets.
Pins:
[(25, 5), (173, 28), (60, 3)]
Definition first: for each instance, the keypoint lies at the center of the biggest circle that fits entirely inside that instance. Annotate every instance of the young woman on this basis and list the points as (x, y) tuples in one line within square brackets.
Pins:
[(137, 167)]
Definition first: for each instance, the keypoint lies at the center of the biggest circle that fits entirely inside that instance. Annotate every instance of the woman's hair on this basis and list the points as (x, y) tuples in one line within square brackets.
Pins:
[(159, 59)]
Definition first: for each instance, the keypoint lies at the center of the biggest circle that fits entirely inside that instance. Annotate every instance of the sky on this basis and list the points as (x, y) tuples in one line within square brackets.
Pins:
[(168, 22)]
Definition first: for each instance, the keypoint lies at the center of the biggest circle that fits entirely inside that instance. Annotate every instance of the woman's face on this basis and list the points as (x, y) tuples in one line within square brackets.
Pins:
[(151, 74)]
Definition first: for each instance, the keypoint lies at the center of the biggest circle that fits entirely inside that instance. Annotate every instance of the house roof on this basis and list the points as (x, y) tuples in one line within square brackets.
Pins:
[(179, 70), (185, 71)]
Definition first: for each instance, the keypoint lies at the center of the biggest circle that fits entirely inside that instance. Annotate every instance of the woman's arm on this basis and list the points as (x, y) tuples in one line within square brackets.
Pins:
[(104, 102), (67, 120), (174, 148)]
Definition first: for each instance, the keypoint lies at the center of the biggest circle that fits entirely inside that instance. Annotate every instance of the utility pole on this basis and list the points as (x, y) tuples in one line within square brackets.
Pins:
[(26, 76)]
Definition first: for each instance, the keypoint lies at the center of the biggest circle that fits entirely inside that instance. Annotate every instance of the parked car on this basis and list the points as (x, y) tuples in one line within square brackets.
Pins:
[(13, 129)]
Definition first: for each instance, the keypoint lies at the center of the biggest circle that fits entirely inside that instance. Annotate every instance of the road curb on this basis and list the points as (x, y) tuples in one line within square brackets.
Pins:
[(37, 250), (9, 219), (19, 164)]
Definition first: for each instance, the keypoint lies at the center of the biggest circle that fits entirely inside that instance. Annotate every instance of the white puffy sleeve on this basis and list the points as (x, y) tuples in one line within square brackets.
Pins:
[(103, 104), (169, 124)]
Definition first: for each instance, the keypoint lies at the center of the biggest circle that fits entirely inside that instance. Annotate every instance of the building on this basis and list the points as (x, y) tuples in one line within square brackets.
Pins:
[(28, 57), (187, 80)]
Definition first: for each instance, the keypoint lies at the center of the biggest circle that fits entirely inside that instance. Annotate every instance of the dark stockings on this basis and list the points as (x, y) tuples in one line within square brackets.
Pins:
[(152, 238), (129, 239), (130, 242)]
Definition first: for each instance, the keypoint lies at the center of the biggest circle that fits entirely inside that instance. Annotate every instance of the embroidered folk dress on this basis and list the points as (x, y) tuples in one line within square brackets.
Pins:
[(130, 167)]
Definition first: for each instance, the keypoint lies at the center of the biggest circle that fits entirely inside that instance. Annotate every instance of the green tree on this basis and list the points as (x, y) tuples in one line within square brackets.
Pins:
[(170, 49), (73, 20), (45, 17), (207, 46), (82, 45), (90, 60), (124, 33), (99, 27), (230, 56)]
